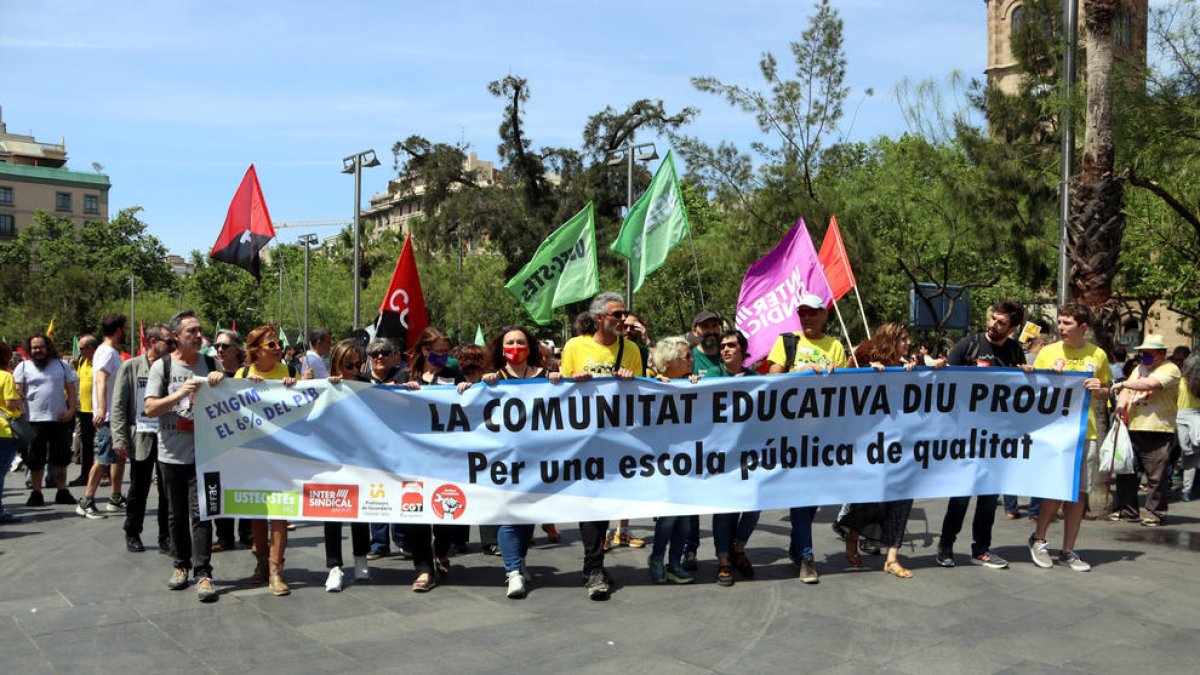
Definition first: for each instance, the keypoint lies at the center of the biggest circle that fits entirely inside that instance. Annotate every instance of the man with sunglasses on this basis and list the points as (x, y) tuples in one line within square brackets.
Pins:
[(604, 353), (133, 430), (812, 350)]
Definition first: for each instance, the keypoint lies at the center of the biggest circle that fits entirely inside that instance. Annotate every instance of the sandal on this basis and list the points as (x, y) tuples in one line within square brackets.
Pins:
[(724, 575), (852, 555), (897, 570), (424, 583), (551, 533), (742, 564), (442, 566)]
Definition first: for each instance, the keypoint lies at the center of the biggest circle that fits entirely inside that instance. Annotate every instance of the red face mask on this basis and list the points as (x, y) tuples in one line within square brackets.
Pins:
[(516, 355)]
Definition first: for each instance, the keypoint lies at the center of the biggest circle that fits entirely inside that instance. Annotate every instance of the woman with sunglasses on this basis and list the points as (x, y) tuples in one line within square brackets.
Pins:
[(345, 364), (263, 363), (518, 351), (731, 531), (228, 347), (429, 364)]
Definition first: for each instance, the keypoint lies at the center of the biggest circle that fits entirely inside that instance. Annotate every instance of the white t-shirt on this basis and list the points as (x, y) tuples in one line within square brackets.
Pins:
[(313, 360), (44, 389), (108, 360)]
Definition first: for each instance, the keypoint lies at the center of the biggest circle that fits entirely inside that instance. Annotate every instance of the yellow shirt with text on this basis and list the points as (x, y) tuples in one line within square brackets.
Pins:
[(1089, 359), (825, 351), (583, 354)]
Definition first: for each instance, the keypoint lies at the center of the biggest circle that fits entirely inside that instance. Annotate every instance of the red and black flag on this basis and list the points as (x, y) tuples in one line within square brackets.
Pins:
[(247, 227), (402, 313)]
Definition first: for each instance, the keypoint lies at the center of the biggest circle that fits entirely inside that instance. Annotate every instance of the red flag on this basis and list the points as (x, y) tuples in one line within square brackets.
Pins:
[(835, 261), (247, 227), (235, 325), (141, 337), (402, 311)]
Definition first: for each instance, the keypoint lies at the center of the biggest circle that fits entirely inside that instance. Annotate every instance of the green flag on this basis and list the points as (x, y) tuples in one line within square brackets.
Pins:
[(75, 347), (655, 225), (563, 269), (479, 339), (283, 338)]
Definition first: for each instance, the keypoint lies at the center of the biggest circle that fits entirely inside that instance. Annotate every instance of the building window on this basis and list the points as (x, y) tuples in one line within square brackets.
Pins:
[(6, 196), (91, 204), (7, 227), (62, 201), (1123, 28)]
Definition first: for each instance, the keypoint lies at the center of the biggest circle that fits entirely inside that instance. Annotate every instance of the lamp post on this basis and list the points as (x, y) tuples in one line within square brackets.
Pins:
[(354, 164), (308, 240), (625, 155), (1071, 23)]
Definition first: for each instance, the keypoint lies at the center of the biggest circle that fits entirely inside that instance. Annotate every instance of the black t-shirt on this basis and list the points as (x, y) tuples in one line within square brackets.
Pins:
[(976, 350), (446, 375)]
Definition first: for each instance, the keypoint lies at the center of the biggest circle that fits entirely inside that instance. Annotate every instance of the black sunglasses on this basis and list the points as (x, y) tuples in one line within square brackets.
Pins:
[(270, 345), (220, 346), (619, 314), (352, 365), (380, 354)]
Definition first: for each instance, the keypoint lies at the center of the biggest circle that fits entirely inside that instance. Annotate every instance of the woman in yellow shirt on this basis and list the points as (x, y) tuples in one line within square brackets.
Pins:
[(263, 354), (10, 407)]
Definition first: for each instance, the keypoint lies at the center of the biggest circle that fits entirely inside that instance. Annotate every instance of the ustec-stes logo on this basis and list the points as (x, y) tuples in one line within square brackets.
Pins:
[(323, 500)]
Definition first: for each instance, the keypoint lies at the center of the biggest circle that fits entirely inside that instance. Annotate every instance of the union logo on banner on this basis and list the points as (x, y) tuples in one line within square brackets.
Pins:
[(448, 502), (323, 500)]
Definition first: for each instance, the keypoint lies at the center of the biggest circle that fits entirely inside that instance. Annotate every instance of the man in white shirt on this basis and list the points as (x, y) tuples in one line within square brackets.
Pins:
[(106, 361), (316, 359)]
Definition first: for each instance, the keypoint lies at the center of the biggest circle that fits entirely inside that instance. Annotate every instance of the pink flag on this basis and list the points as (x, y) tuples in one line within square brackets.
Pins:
[(767, 303)]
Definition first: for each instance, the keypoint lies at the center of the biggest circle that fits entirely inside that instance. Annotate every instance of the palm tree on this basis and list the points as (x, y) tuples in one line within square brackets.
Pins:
[(1097, 223)]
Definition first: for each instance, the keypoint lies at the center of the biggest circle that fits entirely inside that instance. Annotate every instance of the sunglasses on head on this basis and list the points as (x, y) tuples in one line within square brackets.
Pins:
[(380, 354)]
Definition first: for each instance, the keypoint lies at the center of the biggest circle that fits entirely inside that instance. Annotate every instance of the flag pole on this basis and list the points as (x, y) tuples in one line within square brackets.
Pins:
[(845, 333), (862, 312), (696, 265)]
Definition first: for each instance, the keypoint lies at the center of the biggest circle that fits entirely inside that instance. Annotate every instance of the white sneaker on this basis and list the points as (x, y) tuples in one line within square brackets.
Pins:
[(361, 571), (516, 584), (336, 580)]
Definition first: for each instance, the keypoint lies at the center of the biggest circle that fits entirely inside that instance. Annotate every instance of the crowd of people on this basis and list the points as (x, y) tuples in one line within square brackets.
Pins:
[(139, 412)]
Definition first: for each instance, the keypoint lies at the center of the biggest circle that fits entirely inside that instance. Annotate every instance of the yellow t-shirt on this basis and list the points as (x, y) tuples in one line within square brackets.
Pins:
[(583, 354), (8, 392), (279, 372), (85, 385), (1089, 359), (1156, 410), (1188, 400), (825, 351)]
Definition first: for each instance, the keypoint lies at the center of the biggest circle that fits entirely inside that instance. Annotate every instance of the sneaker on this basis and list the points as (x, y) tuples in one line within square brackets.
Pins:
[(808, 571), (64, 497), (362, 573), (87, 509), (403, 554), (689, 561), (868, 546), (490, 549), (205, 591), (1152, 522), (376, 555), (335, 581), (178, 580), (597, 585), (35, 499), (1039, 550), (658, 573), (623, 538), (944, 557), (133, 543), (676, 574), (1071, 559), (7, 518), (516, 584), (1119, 517), (989, 560), (116, 502)]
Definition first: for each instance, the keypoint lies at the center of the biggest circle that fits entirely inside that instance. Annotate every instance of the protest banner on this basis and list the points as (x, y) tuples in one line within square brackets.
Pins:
[(528, 452)]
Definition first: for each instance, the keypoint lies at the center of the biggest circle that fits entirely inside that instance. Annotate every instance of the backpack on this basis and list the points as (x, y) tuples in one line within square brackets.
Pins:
[(790, 342), (209, 361)]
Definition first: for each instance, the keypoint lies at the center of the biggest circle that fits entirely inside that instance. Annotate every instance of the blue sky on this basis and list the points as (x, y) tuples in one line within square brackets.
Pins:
[(176, 99)]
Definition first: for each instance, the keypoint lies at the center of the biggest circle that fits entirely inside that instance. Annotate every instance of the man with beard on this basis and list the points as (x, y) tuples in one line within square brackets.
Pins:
[(604, 353), (136, 436), (50, 390), (706, 362)]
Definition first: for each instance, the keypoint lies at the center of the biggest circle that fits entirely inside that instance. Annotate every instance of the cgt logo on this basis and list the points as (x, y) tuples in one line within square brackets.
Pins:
[(412, 503), (449, 502), (323, 500)]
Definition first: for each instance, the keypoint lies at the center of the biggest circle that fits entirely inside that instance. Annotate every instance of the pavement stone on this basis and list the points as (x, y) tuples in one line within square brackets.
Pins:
[(69, 592)]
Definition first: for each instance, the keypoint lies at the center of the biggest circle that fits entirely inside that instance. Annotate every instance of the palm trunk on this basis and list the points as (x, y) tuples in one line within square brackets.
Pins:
[(1097, 223)]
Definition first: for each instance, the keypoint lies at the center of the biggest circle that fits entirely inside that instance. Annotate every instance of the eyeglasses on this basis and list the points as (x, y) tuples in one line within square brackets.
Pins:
[(619, 314), (220, 346), (380, 354), (730, 345), (352, 365), (270, 345)]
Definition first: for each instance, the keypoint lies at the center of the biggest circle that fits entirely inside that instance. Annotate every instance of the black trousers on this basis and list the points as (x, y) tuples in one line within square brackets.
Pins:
[(141, 475), (87, 443), (981, 525), (360, 541), (593, 533), (225, 528), (191, 538), (418, 537)]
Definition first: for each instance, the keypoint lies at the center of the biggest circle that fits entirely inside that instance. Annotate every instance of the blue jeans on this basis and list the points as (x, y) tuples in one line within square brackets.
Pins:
[(802, 520), (732, 529), (379, 538), (513, 541), (8, 450), (673, 530), (1010, 505)]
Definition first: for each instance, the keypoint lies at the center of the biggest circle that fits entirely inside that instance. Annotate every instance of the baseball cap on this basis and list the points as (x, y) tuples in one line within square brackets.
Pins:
[(705, 315), (810, 300)]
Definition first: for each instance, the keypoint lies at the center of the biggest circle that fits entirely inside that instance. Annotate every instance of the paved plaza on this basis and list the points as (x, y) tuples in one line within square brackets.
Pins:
[(73, 600)]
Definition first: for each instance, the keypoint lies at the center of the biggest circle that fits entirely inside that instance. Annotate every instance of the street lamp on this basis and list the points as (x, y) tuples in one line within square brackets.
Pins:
[(308, 240), (354, 164), (625, 155)]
